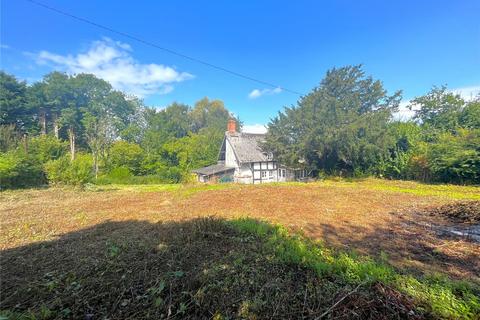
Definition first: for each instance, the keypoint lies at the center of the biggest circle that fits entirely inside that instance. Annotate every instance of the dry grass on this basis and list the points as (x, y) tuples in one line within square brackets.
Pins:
[(371, 216), (129, 252), (199, 269)]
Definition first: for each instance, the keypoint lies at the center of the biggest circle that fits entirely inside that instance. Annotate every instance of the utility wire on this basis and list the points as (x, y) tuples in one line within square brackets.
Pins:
[(151, 44)]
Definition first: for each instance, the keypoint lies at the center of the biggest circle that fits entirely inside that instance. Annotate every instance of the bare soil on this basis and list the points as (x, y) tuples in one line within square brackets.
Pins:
[(459, 212), (386, 224)]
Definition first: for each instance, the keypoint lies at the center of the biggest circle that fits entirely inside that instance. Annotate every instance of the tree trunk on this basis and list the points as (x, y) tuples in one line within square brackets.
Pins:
[(71, 137), (25, 142), (43, 122), (95, 164), (55, 126)]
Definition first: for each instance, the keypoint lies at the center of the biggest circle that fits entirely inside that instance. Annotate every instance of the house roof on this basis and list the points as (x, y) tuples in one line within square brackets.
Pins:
[(213, 169), (247, 146)]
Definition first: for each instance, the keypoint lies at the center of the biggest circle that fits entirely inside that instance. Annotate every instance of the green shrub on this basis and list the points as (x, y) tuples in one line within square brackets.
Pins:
[(146, 179), (127, 155), (18, 170), (47, 148), (64, 171), (456, 158), (10, 138), (440, 296), (120, 175)]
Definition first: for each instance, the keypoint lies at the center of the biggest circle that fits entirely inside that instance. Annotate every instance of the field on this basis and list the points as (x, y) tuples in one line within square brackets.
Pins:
[(330, 249)]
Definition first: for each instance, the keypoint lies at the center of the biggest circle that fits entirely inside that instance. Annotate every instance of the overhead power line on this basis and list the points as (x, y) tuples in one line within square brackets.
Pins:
[(151, 44)]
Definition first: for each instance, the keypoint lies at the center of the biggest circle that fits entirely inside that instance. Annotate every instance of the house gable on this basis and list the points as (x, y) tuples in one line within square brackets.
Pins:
[(227, 154), (246, 147)]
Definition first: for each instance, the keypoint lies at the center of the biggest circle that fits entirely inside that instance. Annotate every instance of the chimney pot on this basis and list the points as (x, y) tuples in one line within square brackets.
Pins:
[(232, 126)]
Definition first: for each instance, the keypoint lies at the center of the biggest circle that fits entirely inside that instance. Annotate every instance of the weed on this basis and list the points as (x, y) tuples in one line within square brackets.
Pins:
[(440, 296)]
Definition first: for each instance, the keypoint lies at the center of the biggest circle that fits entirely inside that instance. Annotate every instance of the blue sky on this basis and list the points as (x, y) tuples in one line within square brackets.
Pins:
[(409, 45)]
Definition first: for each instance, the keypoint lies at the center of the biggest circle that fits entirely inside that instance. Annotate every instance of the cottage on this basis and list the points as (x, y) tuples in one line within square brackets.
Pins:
[(242, 160)]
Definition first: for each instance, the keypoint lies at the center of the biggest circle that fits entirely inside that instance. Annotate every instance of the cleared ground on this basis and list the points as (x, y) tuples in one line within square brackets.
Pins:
[(51, 236), (371, 216)]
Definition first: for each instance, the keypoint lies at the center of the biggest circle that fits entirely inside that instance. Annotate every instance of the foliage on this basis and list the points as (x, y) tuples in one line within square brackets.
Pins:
[(339, 126), (77, 172), (345, 127), (18, 170), (14, 109), (9, 137), (209, 114), (128, 155), (195, 150), (470, 116), (47, 147), (91, 116), (456, 158), (441, 297), (439, 109), (342, 127), (119, 176), (404, 140)]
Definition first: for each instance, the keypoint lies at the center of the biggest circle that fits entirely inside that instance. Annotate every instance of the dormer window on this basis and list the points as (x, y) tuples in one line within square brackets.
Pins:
[(269, 155)]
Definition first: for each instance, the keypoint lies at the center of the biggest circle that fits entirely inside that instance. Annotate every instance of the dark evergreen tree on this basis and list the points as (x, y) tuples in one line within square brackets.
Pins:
[(339, 127)]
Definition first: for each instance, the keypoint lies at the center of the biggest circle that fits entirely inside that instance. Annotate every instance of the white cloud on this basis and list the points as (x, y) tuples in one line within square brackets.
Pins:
[(467, 93), (254, 128), (4, 46), (256, 93), (112, 61), (404, 113)]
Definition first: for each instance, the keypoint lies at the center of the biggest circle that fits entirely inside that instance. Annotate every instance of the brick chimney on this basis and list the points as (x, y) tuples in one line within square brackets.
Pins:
[(232, 126)]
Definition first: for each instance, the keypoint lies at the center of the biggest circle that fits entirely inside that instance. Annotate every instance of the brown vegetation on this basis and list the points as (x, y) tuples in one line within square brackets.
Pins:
[(461, 212), (356, 218)]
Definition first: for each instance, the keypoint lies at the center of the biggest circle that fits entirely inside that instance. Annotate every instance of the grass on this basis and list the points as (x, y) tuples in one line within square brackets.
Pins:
[(282, 250), (411, 187), (438, 296), (184, 190), (211, 268), (454, 192)]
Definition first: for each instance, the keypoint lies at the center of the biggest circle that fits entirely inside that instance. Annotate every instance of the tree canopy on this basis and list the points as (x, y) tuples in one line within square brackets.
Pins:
[(339, 125), (77, 129), (115, 130), (346, 126)]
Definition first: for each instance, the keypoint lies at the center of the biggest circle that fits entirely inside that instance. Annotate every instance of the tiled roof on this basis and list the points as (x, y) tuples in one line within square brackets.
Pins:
[(246, 146), (213, 169)]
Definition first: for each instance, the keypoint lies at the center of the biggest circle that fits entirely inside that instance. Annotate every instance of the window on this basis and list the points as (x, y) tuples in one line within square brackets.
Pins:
[(302, 173), (264, 174), (270, 173), (283, 173)]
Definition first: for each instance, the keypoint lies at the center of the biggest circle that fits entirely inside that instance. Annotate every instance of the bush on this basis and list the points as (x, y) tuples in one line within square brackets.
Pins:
[(418, 168), (64, 171), (18, 170), (117, 175), (162, 174), (456, 158), (127, 155), (47, 148), (147, 179), (9, 137)]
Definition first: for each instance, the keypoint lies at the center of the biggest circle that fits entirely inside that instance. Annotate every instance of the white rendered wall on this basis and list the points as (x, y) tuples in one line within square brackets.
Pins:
[(230, 159), (243, 174)]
